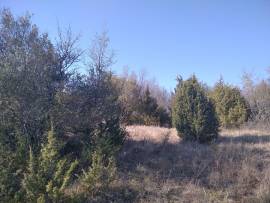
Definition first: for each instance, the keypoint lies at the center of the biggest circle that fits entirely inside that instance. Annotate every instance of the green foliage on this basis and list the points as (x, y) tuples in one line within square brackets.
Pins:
[(164, 117), (151, 113), (108, 137), (12, 166), (99, 175), (37, 86), (48, 175), (148, 104), (148, 112), (139, 105), (231, 106), (193, 113), (147, 109), (94, 111), (9, 176), (27, 77)]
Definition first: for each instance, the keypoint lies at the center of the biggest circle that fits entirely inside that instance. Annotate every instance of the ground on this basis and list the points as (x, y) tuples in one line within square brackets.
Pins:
[(155, 165)]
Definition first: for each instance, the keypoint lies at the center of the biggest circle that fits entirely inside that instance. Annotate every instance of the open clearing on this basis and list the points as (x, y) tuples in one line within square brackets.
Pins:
[(156, 166)]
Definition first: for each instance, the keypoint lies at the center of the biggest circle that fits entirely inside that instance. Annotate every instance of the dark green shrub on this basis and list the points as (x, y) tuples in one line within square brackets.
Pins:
[(193, 113), (231, 106), (164, 117), (13, 149), (108, 137)]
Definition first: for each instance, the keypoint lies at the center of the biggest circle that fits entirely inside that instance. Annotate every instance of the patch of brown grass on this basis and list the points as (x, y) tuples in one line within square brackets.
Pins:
[(152, 134), (155, 165)]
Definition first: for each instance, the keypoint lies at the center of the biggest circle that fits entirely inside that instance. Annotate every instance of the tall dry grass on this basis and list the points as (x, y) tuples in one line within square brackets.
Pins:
[(156, 166)]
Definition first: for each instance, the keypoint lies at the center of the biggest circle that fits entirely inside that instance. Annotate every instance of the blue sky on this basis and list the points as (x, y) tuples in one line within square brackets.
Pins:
[(167, 37)]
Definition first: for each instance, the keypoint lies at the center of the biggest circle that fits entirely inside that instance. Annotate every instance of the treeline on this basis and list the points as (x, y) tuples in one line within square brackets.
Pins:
[(143, 102), (257, 95), (60, 127)]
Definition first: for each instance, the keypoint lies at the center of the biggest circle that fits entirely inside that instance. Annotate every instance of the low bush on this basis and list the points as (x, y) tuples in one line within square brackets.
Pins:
[(48, 175)]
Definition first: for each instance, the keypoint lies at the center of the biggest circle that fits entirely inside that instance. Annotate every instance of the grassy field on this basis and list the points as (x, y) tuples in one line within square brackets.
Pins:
[(156, 166)]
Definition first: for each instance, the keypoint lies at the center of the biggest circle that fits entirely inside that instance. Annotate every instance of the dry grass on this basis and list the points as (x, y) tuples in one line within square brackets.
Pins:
[(152, 134), (156, 166)]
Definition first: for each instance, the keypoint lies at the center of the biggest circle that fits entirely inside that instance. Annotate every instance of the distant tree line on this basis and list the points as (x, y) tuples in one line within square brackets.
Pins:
[(143, 102), (257, 95)]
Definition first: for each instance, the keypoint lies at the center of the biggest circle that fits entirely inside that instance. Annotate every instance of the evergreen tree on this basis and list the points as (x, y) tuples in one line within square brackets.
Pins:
[(149, 112), (148, 109), (193, 113), (99, 175), (149, 104), (230, 105), (47, 175)]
